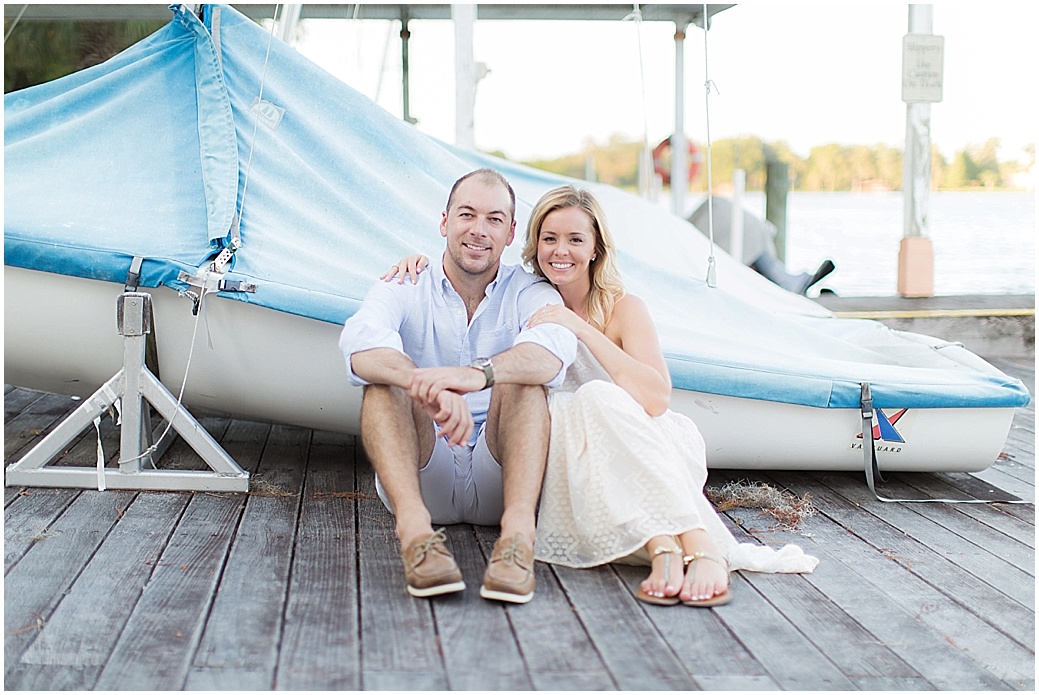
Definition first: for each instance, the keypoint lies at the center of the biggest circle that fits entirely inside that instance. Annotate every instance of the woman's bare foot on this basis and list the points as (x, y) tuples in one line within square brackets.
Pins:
[(665, 577), (706, 577)]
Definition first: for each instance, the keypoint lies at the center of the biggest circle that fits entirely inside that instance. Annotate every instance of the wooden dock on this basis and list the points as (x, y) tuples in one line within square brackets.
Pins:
[(298, 585)]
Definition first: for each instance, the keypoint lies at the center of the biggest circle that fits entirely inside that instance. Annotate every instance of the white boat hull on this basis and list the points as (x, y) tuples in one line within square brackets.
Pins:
[(260, 364)]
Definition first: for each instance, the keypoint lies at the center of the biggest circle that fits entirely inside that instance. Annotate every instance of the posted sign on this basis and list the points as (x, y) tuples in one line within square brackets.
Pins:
[(922, 71)]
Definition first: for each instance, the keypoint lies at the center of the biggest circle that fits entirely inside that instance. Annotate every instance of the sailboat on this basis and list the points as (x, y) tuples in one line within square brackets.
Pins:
[(256, 198)]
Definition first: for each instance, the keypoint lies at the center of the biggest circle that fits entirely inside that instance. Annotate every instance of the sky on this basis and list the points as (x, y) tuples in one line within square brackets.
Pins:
[(804, 73)]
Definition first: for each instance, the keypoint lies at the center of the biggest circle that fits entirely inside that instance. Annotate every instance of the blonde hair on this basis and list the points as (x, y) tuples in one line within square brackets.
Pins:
[(605, 278)]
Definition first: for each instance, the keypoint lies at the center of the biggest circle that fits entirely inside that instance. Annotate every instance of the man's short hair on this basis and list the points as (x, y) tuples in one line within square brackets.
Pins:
[(489, 176)]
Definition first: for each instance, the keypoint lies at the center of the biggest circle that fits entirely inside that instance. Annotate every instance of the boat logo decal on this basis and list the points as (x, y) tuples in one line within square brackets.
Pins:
[(885, 430)]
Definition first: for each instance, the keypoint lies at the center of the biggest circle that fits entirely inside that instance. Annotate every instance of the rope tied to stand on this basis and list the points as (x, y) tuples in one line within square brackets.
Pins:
[(180, 398)]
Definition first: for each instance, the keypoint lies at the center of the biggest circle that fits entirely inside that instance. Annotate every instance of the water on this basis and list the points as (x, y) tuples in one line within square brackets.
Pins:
[(984, 242)]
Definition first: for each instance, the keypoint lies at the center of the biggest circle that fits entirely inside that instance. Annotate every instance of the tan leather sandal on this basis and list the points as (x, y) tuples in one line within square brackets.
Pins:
[(667, 552), (716, 600)]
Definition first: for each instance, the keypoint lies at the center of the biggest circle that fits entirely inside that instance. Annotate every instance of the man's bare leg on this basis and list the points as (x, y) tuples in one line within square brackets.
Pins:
[(398, 439), (517, 437)]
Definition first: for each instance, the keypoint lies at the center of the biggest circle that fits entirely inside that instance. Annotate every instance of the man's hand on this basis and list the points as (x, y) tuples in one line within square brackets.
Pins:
[(427, 384), (452, 414)]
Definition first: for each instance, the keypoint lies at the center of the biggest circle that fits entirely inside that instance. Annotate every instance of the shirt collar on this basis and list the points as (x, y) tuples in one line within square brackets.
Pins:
[(442, 283)]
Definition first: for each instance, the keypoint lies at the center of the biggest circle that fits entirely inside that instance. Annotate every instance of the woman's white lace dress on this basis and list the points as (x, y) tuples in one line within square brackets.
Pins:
[(616, 477)]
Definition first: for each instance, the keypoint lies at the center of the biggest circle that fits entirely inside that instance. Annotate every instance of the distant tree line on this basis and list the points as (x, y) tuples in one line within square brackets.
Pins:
[(41, 51), (827, 168)]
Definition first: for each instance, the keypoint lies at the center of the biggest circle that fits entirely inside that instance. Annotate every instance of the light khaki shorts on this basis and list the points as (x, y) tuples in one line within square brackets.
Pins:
[(460, 484)]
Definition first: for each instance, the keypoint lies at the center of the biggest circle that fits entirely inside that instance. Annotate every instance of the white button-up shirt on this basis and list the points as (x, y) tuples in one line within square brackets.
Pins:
[(427, 322)]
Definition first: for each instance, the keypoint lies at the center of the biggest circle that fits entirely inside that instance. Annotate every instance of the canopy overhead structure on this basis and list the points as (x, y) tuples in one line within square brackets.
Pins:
[(656, 12)]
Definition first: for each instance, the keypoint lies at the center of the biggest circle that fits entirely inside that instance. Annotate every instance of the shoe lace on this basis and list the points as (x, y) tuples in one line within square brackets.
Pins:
[(433, 544), (509, 555)]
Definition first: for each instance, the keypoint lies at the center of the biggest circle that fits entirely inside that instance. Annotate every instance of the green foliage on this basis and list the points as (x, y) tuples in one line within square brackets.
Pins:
[(41, 51), (829, 167)]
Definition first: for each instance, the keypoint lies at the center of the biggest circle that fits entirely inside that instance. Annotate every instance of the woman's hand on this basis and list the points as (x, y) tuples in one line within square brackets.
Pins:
[(559, 314), (410, 265)]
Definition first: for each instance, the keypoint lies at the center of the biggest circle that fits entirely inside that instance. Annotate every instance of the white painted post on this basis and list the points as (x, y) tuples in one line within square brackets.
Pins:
[(921, 86), (679, 150), (464, 17), (287, 24)]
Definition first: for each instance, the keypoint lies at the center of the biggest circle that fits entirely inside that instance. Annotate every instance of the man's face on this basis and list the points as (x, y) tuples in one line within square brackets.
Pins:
[(478, 227)]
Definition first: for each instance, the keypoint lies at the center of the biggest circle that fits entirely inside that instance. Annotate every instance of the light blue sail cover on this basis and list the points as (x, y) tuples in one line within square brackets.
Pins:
[(157, 153)]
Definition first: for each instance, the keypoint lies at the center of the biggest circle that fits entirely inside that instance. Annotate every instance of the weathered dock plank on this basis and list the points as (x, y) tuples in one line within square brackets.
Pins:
[(321, 644), (89, 619), (940, 593), (479, 648), (636, 655), (404, 647), (857, 578), (863, 659), (17, 400), (707, 649), (965, 537), (239, 645), (35, 585), (992, 566), (551, 638), (994, 516), (34, 422), (772, 638), (28, 520), (157, 643)]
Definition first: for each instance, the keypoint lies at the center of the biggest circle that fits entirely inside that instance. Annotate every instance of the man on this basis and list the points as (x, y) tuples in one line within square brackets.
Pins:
[(444, 448)]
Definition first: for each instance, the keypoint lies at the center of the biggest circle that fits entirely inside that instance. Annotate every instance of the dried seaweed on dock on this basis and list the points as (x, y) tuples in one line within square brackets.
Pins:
[(782, 505)]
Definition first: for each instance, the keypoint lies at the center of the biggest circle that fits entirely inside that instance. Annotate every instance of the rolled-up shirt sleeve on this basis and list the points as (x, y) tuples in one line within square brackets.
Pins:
[(375, 325), (558, 340)]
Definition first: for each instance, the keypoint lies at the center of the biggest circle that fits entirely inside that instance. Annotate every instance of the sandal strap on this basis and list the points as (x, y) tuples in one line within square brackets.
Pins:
[(687, 559), (665, 549)]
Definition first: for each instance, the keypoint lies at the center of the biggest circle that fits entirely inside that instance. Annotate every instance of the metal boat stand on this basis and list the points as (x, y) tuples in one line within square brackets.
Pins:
[(135, 386)]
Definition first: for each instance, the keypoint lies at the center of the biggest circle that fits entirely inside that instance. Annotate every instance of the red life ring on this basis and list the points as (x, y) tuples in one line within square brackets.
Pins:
[(664, 170)]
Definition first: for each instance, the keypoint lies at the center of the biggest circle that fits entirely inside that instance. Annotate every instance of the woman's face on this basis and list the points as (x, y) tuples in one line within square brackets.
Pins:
[(566, 246)]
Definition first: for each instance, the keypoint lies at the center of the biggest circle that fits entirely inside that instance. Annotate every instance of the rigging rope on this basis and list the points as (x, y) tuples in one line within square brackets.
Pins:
[(646, 165), (256, 124), (180, 397), (708, 83), (15, 22)]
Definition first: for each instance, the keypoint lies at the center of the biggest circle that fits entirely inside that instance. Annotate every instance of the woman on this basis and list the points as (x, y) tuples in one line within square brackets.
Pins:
[(625, 475)]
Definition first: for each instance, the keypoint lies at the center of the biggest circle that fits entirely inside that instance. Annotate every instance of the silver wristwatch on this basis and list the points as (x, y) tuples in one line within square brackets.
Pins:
[(484, 364)]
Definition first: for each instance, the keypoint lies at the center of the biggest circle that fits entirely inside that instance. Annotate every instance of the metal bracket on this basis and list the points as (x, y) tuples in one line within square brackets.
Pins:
[(135, 387), (212, 282)]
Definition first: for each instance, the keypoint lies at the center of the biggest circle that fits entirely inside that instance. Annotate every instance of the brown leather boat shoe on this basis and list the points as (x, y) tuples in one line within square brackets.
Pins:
[(510, 573), (429, 567)]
